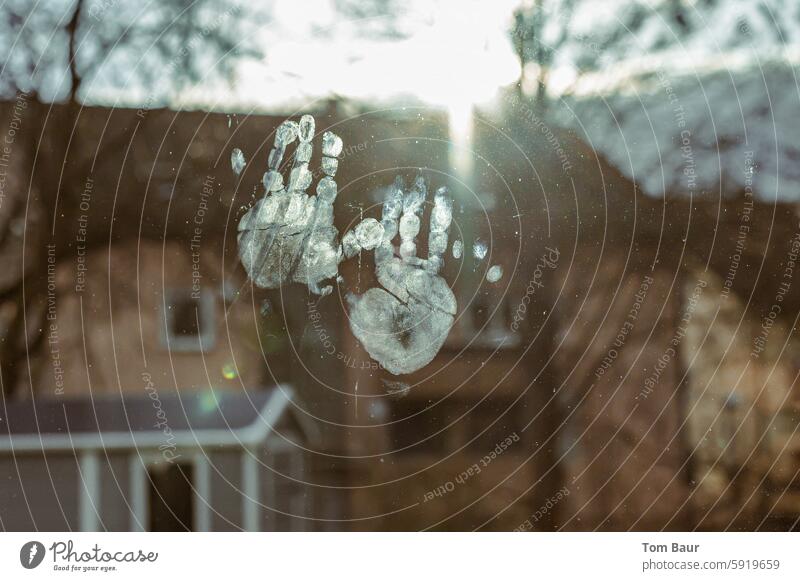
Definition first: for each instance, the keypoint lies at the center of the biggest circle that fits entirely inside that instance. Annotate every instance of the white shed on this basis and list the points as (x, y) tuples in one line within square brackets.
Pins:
[(210, 460)]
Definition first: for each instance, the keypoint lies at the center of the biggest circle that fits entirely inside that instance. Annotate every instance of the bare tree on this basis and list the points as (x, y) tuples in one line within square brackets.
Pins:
[(588, 38), (540, 29), (55, 55)]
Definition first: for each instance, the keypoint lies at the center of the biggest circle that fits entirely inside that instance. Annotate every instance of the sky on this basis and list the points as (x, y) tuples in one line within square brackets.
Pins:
[(451, 53), (458, 52)]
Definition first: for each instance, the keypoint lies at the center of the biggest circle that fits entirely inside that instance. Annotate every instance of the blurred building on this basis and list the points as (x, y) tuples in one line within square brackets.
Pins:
[(586, 389)]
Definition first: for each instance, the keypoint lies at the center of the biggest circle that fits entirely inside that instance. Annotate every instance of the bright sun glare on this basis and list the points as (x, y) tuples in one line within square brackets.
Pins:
[(453, 54)]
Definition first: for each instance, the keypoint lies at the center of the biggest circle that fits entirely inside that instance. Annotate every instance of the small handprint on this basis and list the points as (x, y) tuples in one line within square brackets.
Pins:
[(289, 235), (404, 324)]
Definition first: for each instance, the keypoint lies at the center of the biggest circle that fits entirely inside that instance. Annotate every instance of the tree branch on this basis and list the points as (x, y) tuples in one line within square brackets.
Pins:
[(72, 34)]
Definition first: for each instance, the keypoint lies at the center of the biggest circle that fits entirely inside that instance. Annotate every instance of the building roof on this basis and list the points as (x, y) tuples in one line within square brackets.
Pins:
[(725, 131), (189, 419)]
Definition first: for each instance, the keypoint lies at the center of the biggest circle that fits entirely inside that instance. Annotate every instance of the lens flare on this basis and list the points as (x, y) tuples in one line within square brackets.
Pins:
[(229, 371)]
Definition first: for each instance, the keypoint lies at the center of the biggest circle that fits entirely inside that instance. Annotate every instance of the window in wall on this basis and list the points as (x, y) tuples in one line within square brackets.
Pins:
[(415, 423), (188, 320), (487, 323), (493, 421)]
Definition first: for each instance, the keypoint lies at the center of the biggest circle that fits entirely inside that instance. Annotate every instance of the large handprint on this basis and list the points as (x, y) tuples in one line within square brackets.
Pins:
[(404, 324), (288, 235)]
